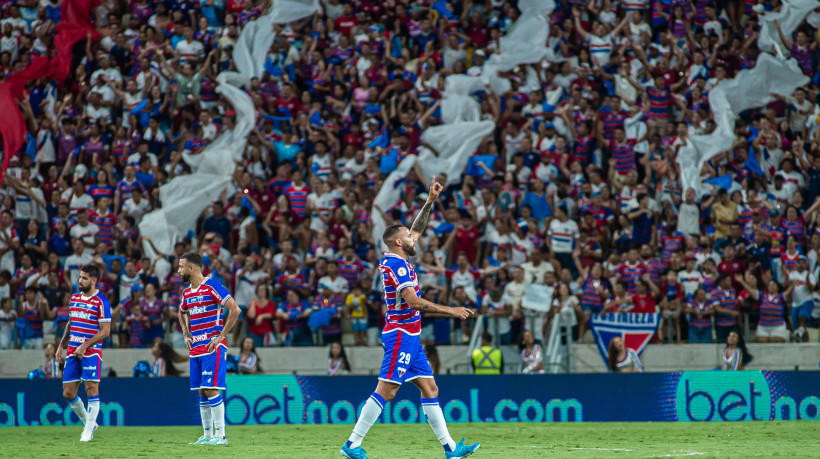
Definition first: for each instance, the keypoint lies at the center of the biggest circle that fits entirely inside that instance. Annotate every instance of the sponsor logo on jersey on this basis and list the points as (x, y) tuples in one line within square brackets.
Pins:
[(90, 368), (199, 338), (80, 315), (207, 373), (198, 310), (77, 339)]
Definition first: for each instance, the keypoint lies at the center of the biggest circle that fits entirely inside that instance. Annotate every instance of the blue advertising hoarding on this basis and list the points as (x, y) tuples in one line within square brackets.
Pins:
[(288, 399)]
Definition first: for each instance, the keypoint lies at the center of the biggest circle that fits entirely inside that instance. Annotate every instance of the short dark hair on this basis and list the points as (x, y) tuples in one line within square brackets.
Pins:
[(390, 234), (92, 271), (192, 258)]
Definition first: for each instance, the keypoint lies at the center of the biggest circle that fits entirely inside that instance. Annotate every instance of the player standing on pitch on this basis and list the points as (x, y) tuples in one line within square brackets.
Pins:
[(202, 327), (404, 358), (89, 323)]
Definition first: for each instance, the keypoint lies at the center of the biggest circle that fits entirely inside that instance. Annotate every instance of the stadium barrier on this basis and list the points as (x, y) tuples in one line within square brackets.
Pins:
[(285, 399)]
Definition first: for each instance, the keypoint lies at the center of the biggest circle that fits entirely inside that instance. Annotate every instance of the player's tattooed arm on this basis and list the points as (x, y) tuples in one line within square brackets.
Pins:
[(420, 223), (414, 302)]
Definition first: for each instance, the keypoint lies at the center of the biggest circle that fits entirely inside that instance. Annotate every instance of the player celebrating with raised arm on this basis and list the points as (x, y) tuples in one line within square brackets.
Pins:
[(89, 323), (404, 358), (202, 327)]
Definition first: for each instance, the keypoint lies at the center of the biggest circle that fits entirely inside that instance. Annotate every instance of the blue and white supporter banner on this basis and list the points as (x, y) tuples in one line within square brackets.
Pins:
[(636, 329)]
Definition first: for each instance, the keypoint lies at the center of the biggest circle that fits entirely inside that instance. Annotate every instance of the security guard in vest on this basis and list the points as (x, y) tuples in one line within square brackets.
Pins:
[(487, 360)]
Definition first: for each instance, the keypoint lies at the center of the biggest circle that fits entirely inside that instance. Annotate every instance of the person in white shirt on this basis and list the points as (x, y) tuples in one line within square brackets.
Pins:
[(86, 232), (111, 73), (333, 282), (478, 63), (189, 49), (803, 282), (562, 233), (75, 261), (9, 241), (136, 206)]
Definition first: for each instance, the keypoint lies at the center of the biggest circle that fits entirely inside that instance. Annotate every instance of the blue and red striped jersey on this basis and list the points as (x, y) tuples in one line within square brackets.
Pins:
[(204, 305), (771, 309), (727, 299), (298, 198), (106, 223), (86, 314), (624, 155), (803, 56), (630, 273), (31, 312), (399, 274)]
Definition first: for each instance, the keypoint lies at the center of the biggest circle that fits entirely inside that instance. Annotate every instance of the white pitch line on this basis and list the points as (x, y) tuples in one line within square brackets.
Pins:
[(607, 449), (681, 453)]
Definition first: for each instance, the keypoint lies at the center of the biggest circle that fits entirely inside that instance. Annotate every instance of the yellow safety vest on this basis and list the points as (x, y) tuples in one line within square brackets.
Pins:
[(487, 361)]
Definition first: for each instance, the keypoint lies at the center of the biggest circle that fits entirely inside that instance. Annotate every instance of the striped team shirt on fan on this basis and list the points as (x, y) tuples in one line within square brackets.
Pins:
[(702, 321), (624, 155), (94, 146), (612, 120), (31, 312), (659, 102), (629, 274), (795, 229), (106, 223), (727, 299), (86, 315), (398, 274), (789, 261), (590, 297), (124, 188), (297, 195), (204, 305), (803, 56), (772, 307), (563, 235)]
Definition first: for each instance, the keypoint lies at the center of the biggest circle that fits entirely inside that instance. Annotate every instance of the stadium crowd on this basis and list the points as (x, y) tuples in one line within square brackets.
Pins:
[(559, 194)]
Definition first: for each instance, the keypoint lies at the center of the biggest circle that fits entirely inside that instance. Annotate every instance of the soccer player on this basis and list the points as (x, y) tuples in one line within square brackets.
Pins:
[(201, 322), (89, 324), (404, 358)]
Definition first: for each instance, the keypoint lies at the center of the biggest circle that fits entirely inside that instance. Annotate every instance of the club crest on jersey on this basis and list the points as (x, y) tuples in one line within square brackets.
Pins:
[(402, 272), (402, 371)]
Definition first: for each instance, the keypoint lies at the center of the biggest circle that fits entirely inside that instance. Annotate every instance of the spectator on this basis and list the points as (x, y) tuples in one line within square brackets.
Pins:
[(8, 317), (295, 312), (248, 360), (51, 368), (337, 363), (700, 309), (136, 326), (164, 359), (155, 310), (357, 309), (32, 312), (735, 355), (261, 313), (487, 360), (498, 315), (623, 359), (531, 355)]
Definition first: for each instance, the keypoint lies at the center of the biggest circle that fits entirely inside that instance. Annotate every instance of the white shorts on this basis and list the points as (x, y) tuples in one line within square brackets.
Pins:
[(778, 331), (32, 343)]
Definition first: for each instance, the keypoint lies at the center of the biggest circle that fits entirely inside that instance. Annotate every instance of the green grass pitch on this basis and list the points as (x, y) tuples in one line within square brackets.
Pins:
[(509, 441)]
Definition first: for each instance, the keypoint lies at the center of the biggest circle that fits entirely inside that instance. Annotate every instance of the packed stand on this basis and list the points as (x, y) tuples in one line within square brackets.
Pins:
[(563, 194)]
